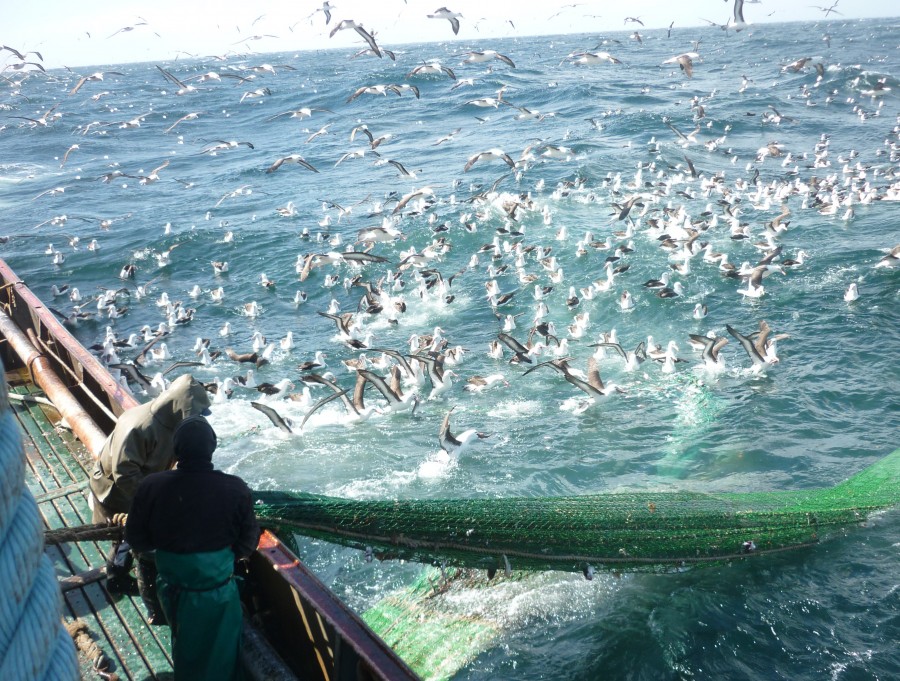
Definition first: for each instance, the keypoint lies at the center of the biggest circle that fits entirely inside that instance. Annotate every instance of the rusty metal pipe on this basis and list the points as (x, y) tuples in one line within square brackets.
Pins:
[(42, 372)]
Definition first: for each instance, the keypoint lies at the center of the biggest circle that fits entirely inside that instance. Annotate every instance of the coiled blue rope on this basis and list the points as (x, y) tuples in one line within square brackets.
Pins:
[(33, 643)]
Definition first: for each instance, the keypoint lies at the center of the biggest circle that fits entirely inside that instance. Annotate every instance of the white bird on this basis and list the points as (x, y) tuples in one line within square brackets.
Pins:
[(754, 289), (891, 260), (258, 341), (477, 57), (685, 61), (712, 360), (249, 380), (476, 384), (594, 58), (489, 154), (160, 352), (277, 390), (452, 17), (758, 352), (455, 444), (852, 293)]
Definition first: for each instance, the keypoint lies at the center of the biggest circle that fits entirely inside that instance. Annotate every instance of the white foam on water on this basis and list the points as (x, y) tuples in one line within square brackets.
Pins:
[(438, 465), (516, 409)]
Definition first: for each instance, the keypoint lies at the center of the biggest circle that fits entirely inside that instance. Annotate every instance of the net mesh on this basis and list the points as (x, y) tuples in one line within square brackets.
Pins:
[(622, 531), (453, 636)]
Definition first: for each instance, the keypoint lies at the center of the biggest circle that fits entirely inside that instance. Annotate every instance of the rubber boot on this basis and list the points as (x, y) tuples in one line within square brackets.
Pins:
[(118, 569), (146, 583)]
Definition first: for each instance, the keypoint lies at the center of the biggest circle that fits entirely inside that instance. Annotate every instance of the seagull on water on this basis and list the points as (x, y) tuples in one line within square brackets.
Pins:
[(591, 384), (754, 277), (626, 301), (396, 400), (760, 351), (712, 361), (476, 384), (633, 358), (891, 260), (455, 444)]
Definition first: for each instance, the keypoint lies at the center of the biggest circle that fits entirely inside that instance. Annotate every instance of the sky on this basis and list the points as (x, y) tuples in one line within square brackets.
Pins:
[(77, 33)]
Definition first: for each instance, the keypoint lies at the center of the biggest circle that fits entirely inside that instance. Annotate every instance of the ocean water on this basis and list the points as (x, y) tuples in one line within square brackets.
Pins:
[(826, 409)]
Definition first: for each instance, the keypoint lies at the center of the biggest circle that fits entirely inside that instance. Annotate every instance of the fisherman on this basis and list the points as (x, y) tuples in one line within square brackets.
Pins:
[(198, 521), (140, 444)]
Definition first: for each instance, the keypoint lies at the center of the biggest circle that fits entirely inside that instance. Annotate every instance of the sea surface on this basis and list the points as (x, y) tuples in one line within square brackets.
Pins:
[(827, 408)]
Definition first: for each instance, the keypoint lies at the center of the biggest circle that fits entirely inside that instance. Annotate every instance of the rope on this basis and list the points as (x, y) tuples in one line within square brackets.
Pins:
[(94, 532), (80, 634), (33, 643), (35, 399)]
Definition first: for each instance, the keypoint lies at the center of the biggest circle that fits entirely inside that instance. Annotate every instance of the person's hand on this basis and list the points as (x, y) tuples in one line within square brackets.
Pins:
[(119, 519)]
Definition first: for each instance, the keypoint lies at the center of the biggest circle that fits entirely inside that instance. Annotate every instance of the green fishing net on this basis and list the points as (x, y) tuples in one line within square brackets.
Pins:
[(620, 531)]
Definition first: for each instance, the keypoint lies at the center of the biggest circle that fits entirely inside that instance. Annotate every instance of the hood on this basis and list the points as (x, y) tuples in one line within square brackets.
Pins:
[(194, 442), (185, 397)]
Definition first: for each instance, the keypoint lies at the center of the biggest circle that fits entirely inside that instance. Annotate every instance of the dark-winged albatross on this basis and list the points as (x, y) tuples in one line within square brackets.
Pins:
[(489, 154), (452, 17), (455, 444), (711, 348), (276, 419), (593, 386), (368, 37), (479, 56), (430, 68), (396, 400), (355, 409), (521, 352), (292, 158), (758, 352)]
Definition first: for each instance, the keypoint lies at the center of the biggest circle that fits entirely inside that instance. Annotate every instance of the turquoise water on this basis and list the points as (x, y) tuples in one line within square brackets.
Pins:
[(824, 411)]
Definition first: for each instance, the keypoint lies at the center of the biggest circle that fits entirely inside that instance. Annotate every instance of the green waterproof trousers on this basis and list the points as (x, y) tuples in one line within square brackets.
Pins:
[(200, 600)]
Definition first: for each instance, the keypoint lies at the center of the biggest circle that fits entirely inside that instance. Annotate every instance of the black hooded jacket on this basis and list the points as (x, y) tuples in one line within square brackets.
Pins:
[(193, 508)]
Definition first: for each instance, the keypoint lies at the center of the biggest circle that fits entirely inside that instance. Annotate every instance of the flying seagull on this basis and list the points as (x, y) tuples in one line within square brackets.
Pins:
[(489, 154), (739, 22), (368, 37), (293, 158), (452, 17)]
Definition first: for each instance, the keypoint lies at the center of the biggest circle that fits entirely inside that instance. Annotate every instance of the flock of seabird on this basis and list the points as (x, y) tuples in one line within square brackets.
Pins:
[(520, 263)]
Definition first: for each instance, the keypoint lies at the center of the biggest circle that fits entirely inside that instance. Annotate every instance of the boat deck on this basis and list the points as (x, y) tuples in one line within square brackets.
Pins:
[(56, 474)]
